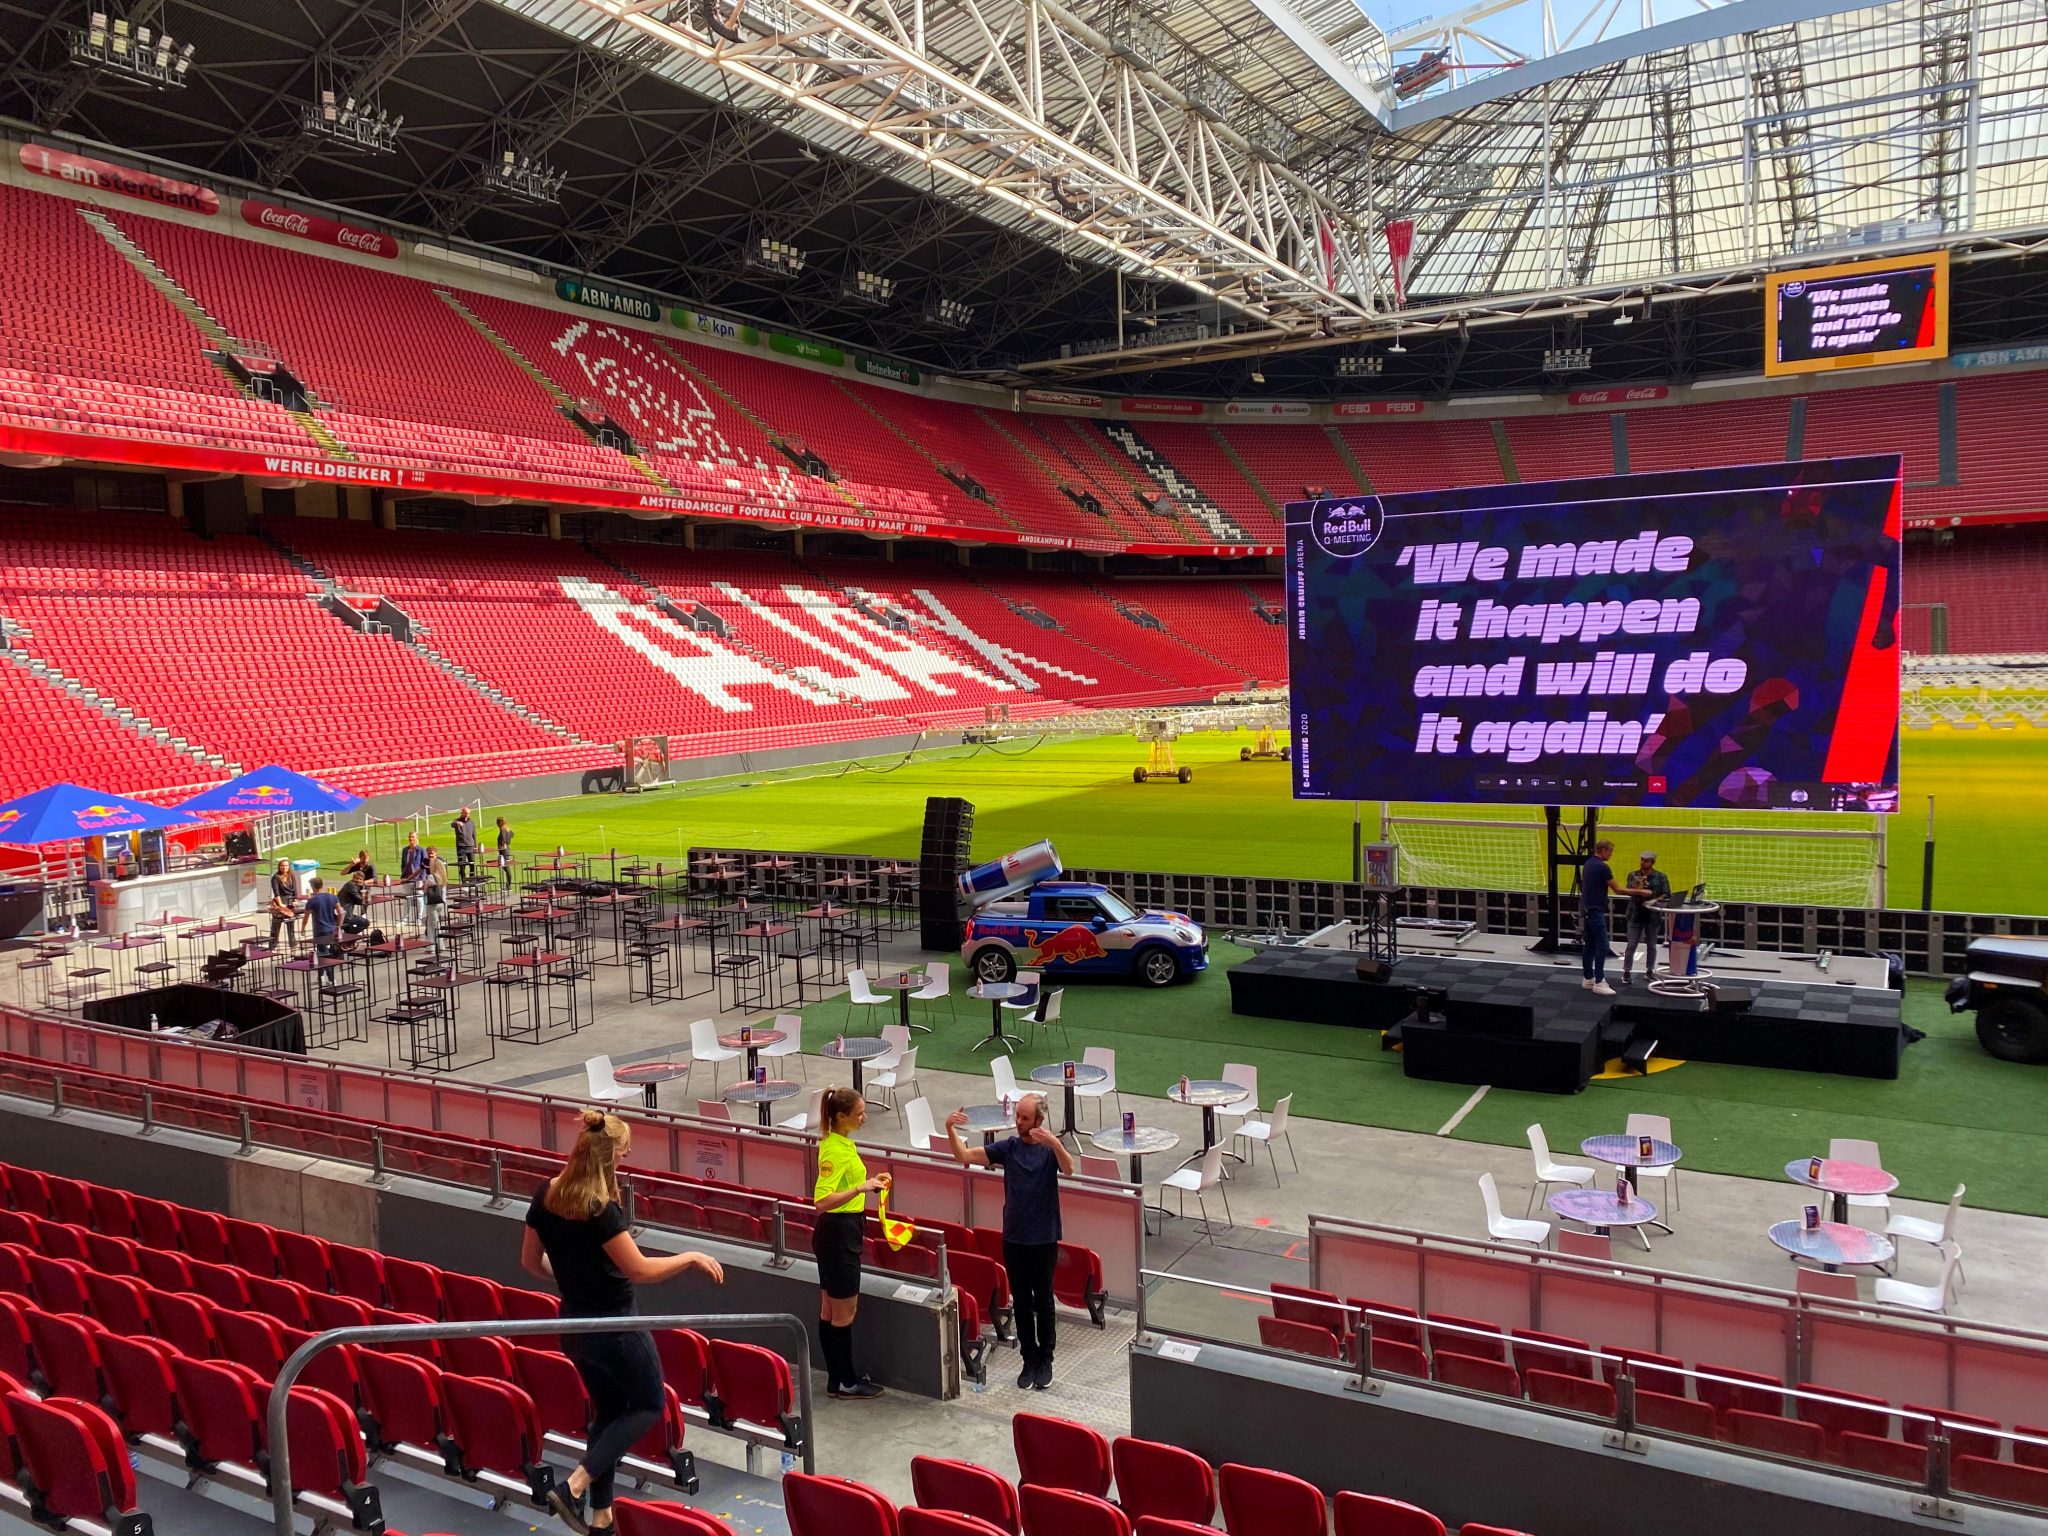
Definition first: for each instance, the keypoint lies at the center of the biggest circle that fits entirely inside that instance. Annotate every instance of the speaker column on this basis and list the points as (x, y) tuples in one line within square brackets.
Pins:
[(943, 855)]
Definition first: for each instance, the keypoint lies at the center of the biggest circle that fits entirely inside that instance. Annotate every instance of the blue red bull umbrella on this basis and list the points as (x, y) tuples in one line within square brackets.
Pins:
[(263, 791), (66, 811)]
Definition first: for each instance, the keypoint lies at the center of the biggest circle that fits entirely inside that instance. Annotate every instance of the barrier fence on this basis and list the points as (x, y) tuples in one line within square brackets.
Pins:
[(480, 1135)]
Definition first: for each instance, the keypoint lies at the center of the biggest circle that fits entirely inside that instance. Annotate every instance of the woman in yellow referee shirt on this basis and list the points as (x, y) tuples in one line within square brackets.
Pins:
[(838, 1239)]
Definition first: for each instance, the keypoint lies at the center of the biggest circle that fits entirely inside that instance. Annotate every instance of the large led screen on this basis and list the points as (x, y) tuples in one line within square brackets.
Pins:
[(1856, 314), (1722, 639)]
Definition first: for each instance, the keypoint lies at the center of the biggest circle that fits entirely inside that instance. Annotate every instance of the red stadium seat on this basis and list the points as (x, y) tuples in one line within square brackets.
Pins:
[(1165, 1480), (964, 1488), (139, 1380), (1058, 1453), (1394, 1358), (222, 1421), (2012, 1482), (402, 1396), (1363, 1514), (638, 1517), (73, 1465), (1475, 1374), (833, 1506), (1467, 1336), (1260, 1502), (942, 1522), (1747, 1391), (68, 1357), (685, 1363), (1769, 1432), (492, 1427), (1677, 1415), (1298, 1338), (1843, 1413), (1969, 1434), (1063, 1512), (1881, 1457), (1552, 1352), (754, 1388), (1575, 1393)]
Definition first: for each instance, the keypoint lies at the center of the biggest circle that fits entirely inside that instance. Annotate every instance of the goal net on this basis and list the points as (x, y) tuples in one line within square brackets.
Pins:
[(1806, 860)]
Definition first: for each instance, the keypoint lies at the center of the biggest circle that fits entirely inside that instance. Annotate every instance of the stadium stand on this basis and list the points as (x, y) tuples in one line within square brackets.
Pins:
[(1424, 455), (1559, 447), (1707, 432), (1901, 417), (1199, 456), (54, 736), (1286, 461), (1971, 574)]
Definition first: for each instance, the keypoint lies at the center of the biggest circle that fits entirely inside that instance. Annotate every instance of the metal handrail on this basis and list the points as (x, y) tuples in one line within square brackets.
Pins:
[(280, 1393)]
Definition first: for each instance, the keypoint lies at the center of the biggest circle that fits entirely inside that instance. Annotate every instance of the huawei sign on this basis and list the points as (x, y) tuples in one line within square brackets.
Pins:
[(319, 229)]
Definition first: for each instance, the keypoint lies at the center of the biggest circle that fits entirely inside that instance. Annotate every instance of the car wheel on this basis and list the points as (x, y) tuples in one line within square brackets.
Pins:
[(2014, 1029), (1156, 967), (995, 964)]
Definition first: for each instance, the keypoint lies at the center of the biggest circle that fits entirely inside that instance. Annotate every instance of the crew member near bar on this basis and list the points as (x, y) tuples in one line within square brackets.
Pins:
[(1032, 1162)]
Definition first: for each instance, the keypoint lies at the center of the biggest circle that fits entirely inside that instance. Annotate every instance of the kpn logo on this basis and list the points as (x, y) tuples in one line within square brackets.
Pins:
[(1345, 526)]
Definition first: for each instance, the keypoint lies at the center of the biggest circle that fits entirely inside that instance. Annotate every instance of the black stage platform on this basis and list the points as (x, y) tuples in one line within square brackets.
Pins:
[(1853, 1031), (255, 1021)]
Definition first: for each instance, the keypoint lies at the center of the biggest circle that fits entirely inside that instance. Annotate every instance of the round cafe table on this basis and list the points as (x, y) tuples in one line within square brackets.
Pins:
[(995, 994), (1832, 1244), (1841, 1179), (991, 1118), (763, 1096), (755, 1039), (1207, 1094), (1137, 1144), (1598, 1209), (902, 983), (856, 1051), (648, 1076), (1626, 1153), (1054, 1075)]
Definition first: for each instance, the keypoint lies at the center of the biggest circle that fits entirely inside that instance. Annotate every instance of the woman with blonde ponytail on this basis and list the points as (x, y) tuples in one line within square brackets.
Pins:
[(576, 1236)]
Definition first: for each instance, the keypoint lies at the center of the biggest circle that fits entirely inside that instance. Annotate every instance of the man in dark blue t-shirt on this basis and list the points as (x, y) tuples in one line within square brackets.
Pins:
[(1596, 886), (1032, 1162), (324, 907)]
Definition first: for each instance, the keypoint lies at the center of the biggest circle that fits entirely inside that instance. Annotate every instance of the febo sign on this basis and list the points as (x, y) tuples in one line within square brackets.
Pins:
[(318, 229), (103, 176), (1377, 408)]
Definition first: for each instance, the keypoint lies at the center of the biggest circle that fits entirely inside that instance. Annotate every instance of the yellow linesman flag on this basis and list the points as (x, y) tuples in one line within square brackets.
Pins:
[(895, 1233)]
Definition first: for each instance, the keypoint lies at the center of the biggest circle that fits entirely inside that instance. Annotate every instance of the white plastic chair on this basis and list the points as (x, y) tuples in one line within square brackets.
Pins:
[(1658, 1127), (1269, 1131), (806, 1119), (704, 1046), (1047, 1017), (1031, 980), (1509, 1229), (1100, 1056), (886, 1082), (860, 995), (918, 1127), (713, 1109), (1551, 1172), (1848, 1149), (938, 984), (1199, 1178), (1926, 1298), (1933, 1233), (1247, 1078), (1818, 1282), (1006, 1078), (897, 1036), (603, 1086), (1101, 1168), (791, 1044)]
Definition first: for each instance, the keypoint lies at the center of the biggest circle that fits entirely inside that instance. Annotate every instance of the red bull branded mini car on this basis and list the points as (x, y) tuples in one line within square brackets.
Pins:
[(1063, 927)]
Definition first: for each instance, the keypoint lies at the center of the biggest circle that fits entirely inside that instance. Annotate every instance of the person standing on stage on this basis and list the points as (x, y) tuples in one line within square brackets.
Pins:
[(1032, 1162), (577, 1236), (839, 1239), (465, 845), (434, 897), (1647, 883), (1597, 886), (412, 859), (284, 899), (504, 854)]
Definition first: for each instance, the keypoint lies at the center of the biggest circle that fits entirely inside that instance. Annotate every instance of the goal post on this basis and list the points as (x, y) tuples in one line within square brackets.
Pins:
[(1818, 859)]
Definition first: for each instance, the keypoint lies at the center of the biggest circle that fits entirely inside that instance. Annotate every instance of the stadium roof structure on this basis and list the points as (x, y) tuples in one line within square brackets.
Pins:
[(1106, 189)]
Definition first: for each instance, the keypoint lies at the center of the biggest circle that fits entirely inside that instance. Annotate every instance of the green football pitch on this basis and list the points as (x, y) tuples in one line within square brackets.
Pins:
[(1236, 818), (1955, 1115)]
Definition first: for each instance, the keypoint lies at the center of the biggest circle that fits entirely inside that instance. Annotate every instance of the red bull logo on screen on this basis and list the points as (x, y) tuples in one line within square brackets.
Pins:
[(1072, 944)]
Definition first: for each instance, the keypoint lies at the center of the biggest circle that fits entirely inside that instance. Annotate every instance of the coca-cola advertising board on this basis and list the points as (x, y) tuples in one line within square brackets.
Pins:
[(318, 228), (105, 176), (1619, 395)]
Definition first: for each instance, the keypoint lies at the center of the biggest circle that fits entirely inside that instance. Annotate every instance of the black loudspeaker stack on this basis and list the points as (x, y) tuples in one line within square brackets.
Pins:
[(948, 835)]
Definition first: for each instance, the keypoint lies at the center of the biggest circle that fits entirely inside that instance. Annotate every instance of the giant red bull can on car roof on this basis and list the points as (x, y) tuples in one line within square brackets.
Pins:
[(1012, 873)]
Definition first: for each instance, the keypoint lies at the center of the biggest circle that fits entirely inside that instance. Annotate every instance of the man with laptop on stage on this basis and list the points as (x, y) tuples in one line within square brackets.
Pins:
[(1647, 883)]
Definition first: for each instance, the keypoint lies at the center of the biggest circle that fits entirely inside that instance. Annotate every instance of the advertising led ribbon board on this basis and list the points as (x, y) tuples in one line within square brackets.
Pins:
[(1715, 639), (1856, 314)]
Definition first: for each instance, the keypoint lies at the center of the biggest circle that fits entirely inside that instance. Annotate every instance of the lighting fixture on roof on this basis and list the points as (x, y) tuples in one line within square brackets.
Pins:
[(778, 257), (134, 53), (1258, 373), (360, 125), (521, 176), (1567, 359), (1360, 365), (950, 314), (870, 288), (1397, 350)]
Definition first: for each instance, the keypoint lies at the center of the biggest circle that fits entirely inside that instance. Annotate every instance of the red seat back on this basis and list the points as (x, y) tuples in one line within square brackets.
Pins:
[(113, 1213), (1077, 1277), (1394, 1358), (1969, 1434), (281, 1299), (59, 1284), (2015, 1482), (833, 1506), (139, 1380), (70, 1200), (685, 1362), (72, 1457), (187, 1321), (965, 1488), (1881, 1457), (1769, 1432), (1153, 1525), (221, 1284), (1475, 1374), (1299, 1338), (1551, 1352), (1153, 1478), (1843, 1413), (1746, 1391), (2026, 1454), (1300, 1304), (944, 1522), (251, 1339), (557, 1391), (478, 1357), (493, 1422), (1487, 1342), (327, 1452), (1652, 1373), (1364, 1514), (1677, 1415), (358, 1272), (1058, 1453), (1063, 1512), (66, 1356), (637, 1517), (324, 1312), (753, 1384), (203, 1235), (119, 1302), (303, 1259), (469, 1298), (403, 1396), (252, 1246), (163, 1269), (1405, 1327), (1579, 1394), (1260, 1502), (415, 1288), (218, 1400)]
